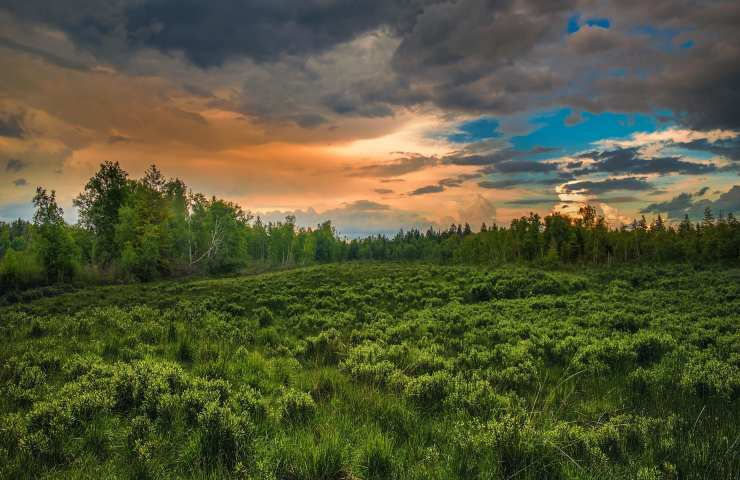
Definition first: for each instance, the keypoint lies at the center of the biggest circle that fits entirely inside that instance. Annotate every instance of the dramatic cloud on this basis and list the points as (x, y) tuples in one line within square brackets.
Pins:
[(291, 105), (211, 33), (729, 148), (472, 56), (628, 160), (693, 205), (600, 186)]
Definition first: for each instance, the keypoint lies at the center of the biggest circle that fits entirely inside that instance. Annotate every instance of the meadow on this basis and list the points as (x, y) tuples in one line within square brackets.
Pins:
[(366, 370)]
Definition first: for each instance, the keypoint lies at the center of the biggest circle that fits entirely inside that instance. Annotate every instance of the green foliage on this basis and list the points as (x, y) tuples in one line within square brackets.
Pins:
[(52, 240), (295, 406), (153, 227), (378, 371), (20, 269)]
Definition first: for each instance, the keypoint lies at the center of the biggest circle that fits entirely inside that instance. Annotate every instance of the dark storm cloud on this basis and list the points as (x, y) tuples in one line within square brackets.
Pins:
[(15, 165), (628, 160), (693, 205), (211, 32), (504, 56), (474, 56), (11, 125), (596, 187)]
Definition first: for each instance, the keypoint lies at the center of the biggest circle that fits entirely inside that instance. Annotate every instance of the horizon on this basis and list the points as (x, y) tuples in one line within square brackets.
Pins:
[(379, 116)]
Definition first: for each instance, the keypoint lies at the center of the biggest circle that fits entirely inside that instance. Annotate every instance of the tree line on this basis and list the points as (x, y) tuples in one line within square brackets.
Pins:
[(154, 227)]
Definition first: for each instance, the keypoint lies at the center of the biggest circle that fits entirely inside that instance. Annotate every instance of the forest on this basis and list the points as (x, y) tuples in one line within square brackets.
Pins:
[(153, 227)]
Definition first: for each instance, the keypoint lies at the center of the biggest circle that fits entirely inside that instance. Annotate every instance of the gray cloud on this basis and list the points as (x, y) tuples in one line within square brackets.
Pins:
[(693, 205), (596, 187), (474, 56), (445, 183), (15, 165), (401, 166), (530, 179), (20, 182), (522, 166), (729, 148), (628, 160), (428, 189), (209, 33), (11, 125)]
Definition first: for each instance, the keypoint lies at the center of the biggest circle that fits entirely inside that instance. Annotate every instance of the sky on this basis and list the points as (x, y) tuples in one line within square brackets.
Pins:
[(379, 114)]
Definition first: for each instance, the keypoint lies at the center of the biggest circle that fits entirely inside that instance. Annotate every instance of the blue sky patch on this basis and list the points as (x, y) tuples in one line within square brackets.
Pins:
[(483, 128), (598, 22), (574, 23), (553, 131)]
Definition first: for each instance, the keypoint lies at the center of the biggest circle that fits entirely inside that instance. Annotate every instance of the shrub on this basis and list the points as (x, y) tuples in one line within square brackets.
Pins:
[(307, 458), (476, 397), (376, 457), (224, 437), (184, 351), (710, 377), (295, 406), (250, 401), (429, 390), (264, 316), (326, 347), (20, 269), (650, 347)]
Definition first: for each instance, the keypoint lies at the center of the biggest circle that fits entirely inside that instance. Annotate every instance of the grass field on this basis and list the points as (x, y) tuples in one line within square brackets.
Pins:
[(380, 371)]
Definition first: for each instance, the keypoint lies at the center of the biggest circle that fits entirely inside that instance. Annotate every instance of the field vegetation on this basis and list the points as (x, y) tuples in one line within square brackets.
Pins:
[(367, 370)]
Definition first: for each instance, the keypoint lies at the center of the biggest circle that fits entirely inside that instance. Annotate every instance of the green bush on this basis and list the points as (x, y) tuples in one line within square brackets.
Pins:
[(223, 436), (295, 406), (20, 269)]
